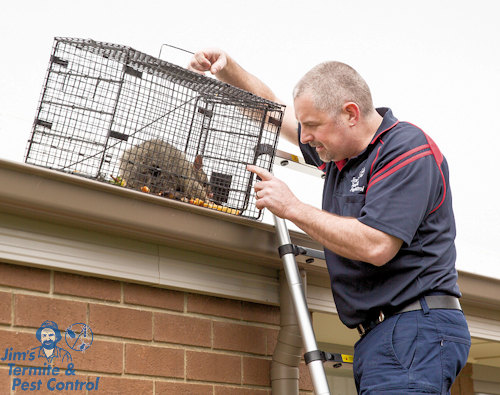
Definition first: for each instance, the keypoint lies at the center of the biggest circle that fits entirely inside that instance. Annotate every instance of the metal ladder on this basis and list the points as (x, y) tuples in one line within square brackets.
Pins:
[(314, 358)]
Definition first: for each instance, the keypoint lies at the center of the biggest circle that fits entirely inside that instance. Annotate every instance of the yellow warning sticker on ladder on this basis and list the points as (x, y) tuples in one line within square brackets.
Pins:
[(347, 358)]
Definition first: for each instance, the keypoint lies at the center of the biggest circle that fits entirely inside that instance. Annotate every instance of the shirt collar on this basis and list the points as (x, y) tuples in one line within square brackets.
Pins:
[(388, 122)]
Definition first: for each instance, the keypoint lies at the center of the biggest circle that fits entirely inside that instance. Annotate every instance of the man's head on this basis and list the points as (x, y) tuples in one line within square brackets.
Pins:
[(331, 84), (334, 106), (48, 334)]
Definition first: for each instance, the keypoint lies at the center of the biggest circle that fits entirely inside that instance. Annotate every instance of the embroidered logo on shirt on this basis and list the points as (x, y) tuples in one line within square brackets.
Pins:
[(355, 182)]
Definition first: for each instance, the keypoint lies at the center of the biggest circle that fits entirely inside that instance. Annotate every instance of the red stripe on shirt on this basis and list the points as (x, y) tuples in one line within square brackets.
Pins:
[(396, 168), (399, 158), (444, 192), (375, 160), (438, 156), (435, 150)]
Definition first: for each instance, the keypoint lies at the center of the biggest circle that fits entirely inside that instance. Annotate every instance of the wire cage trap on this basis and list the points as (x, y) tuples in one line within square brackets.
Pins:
[(113, 114)]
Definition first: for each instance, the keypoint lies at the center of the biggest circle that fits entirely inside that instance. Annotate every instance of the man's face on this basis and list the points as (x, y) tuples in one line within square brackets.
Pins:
[(48, 338), (328, 134)]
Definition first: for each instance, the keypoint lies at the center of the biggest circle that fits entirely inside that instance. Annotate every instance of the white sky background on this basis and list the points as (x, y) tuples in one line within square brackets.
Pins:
[(435, 63)]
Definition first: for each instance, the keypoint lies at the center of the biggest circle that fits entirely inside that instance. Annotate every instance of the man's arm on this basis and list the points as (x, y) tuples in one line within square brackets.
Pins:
[(345, 236), (228, 70)]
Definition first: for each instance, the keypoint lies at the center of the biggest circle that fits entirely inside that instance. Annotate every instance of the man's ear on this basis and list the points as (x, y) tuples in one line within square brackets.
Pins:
[(352, 111)]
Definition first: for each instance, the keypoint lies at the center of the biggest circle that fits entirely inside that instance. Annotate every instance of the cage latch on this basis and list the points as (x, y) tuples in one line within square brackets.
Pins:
[(265, 149), (274, 121), (206, 112), (118, 135), (59, 61), (133, 72), (45, 124)]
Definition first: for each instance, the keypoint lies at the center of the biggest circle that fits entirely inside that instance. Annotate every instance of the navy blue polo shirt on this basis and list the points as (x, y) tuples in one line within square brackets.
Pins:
[(399, 185)]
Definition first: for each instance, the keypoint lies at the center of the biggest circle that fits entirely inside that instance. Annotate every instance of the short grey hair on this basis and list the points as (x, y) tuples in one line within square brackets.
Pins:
[(332, 84)]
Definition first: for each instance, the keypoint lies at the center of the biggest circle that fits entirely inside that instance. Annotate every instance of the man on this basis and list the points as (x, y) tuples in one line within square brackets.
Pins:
[(387, 225), (49, 335)]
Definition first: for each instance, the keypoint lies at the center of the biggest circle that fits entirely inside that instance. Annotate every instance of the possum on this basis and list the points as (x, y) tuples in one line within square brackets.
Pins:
[(165, 170)]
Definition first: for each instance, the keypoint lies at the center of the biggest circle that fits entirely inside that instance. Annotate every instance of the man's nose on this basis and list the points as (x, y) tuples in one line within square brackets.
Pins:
[(305, 137)]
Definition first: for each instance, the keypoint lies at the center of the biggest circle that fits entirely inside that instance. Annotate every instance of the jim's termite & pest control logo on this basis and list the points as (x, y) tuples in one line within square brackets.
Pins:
[(52, 360)]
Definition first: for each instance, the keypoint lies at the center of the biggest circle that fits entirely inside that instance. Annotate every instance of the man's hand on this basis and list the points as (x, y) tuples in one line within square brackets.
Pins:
[(226, 69), (213, 60), (273, 194)]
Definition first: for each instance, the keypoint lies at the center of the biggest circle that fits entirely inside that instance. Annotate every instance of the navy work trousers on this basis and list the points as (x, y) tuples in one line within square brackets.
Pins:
[(417, 352)]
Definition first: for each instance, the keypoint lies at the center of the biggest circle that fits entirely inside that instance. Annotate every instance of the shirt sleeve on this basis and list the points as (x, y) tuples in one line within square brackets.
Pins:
[(404, 185)]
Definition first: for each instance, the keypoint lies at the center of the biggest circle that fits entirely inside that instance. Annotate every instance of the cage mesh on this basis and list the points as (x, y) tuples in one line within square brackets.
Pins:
[(111, 113)]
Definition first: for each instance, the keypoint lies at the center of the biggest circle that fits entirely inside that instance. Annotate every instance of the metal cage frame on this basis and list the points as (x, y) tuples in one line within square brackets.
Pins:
[(100, 100)]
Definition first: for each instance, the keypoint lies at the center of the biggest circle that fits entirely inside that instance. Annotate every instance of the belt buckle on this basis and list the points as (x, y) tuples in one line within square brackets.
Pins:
[(363, 331)]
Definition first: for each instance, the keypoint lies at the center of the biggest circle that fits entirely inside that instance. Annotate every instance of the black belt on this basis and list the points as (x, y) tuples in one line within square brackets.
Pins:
[(433, 302)]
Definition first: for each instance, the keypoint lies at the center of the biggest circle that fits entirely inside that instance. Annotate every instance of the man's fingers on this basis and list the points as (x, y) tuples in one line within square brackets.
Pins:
[(199, 63), (218, 65), (202, 60), (216, 59), (262, 173), (213, 60)]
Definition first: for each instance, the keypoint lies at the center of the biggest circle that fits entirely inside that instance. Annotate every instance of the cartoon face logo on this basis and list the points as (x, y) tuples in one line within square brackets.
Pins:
[(48, 338), (49, 335)]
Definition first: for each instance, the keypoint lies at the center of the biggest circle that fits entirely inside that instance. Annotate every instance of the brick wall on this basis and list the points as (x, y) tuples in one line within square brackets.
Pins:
[(147, 340)]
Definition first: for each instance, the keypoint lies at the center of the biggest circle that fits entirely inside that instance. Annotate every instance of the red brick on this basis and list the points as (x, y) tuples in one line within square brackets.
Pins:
[(120, 385), (219, 390), (206, 366), (5, 382), (20, 342), (236, 337), (121, 322), (154, 361), (180, 329), (87, 287), (164, 388), (305, 382), (260, 313), (257, 371), (214, 306), (153, 297), (272, 340), (5, 307), (32, 311), (24, 277), (101, 356)]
